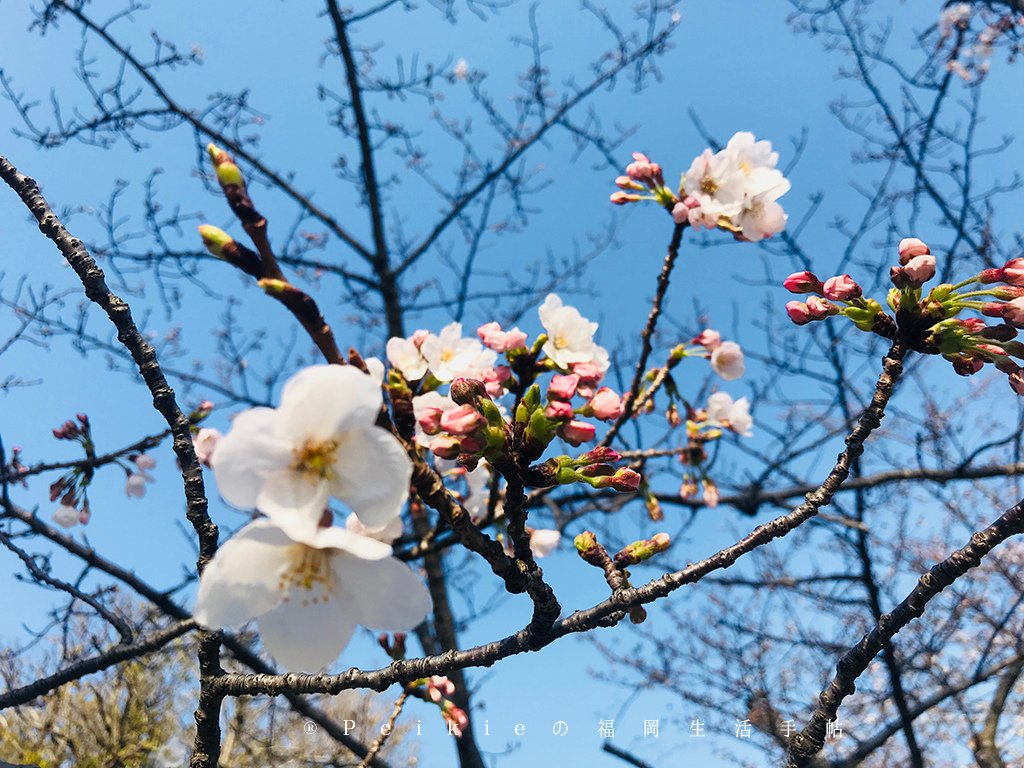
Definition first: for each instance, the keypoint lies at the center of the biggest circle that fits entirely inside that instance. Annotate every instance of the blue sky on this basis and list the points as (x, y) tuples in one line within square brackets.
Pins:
[(738, 65)]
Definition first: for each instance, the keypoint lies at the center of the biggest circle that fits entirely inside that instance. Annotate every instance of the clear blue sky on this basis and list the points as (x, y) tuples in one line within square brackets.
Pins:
[(738, 64)]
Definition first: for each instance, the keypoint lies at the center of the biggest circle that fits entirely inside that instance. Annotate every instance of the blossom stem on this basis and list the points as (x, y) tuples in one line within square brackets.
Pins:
[(646, 337)]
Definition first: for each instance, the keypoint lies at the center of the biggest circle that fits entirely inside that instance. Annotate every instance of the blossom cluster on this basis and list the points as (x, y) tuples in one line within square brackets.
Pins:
[(306, 581), (735, 189), (469, 420), (930, 322), (971, 50)]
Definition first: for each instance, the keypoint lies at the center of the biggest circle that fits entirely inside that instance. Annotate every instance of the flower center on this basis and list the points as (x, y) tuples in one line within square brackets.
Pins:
[(560, 341), (708, 185), (315, 459), (308, 569), (447, 355)]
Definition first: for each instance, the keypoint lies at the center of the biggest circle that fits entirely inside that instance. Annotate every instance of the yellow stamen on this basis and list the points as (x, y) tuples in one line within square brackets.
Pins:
[(315, 459)]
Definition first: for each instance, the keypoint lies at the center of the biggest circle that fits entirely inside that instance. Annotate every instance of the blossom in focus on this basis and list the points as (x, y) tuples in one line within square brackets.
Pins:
[(427, 410), (570, 335), (734, 414), (450, 356), (320, 442), (493, 337), (308, 593), (727, 360), (406, 357)]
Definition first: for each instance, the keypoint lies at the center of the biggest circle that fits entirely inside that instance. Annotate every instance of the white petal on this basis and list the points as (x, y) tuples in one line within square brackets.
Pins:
[(294, 502), (241, 582), (372, 475), (247, 454), (304, 636), (382, 594), (387, 533), (356, 544), (321, 401)]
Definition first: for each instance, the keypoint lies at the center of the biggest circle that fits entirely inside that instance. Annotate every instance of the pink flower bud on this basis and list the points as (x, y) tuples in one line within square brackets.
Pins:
[(577, 432), (598, 455), (1013, 312), (819, 308), (988, 276), (973, 324), (802, 282), (430, 420), (501, 341), (708, 338), (1013, 272), (910, 247), (558, 410), (605, 404), (680, 213), (144, 461), (563, 387), (464, 420), (920, 269), (841, 288), (798, 312), (711, 495), (495, 378), (621, 198), (445, 447), (1017, 381), (624, 479)]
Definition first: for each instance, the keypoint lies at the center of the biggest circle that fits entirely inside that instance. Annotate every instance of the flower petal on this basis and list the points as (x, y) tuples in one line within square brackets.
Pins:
[(353, 543), (241, 582), (304, 636), (294, 502), (372, 473), (247, 454), (321, 401), (382, 594)]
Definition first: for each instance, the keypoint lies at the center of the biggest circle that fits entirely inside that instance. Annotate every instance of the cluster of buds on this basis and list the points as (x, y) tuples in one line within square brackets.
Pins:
[(543, 421), (594, 553), (643, 176), (77, 430), (734, 189), (472, 428), (839, 295), (71, 489), (595, 468), (703, 426), (929, 322)]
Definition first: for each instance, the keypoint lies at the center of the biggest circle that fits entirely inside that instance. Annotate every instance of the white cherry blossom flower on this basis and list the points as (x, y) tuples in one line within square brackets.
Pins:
[(308, 595), (66, 516), (320, 442), (543, 541), (716, 182), (450, 356), (135, 485), (761, 216), (386, 533), (406, 356), (727, 360), (735, 414), (570, 335)]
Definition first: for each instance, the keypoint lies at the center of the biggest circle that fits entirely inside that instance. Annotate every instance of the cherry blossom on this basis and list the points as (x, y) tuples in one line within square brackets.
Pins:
[(320, 442), (308, 593), (734, 414), (66, 516), (450, 356), (386, 533), (406, 357), (570, 335), (727, 360), (427, 410)]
